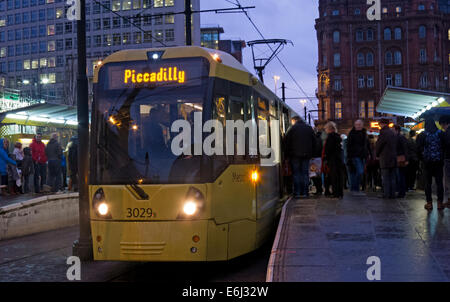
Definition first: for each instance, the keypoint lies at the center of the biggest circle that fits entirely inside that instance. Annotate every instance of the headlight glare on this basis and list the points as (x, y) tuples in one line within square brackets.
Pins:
[(103, 209), (190, 207)]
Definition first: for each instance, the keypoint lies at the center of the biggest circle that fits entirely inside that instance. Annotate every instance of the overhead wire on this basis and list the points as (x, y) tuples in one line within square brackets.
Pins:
[(279, 60)]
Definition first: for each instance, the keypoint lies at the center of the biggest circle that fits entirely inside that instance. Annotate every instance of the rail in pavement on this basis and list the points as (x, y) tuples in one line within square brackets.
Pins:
[(330, 240)]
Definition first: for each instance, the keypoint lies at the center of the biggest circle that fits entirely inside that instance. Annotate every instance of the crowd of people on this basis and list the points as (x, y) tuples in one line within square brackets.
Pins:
[(395, 161), (38, 167)]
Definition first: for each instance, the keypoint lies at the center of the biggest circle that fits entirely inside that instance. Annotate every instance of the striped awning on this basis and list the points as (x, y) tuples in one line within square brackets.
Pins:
[(410, 102)]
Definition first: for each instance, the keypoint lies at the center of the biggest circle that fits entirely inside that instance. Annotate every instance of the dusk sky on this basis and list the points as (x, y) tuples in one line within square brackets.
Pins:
[(277, 19)]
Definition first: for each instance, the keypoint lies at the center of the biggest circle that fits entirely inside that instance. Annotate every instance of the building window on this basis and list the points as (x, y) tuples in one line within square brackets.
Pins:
[(336, 36), (370, 81), (337, 60), (398, 33), (369, 59), (43, 62), (397, 58), (387, 34), (148, 36), (398, 80), (359, 35), (97, 41), (136, 4), (59, 13), (3, 52), (116, 39), (51, 46), (422, 31), (338, 110), (106, 23), (68, 43), (447, 32), (335, 12), (107, 40), (398, 9), (116, 22), (370, 34), (97, 24), (170, 2), (389, 80), (26, 65), (52, 62), (388, 58), (59, 28), (158, 3), (360, 59), (170, 35), (362, 109), (158, 20), (35, 64), (361, 82), (51, 30), (325, 63), (137, 37), (357, 12), (115, 5), (423, 55), (126, 38), (68, 27), (170, 19), (337, 84), (423, 81), (370, 109), (126, 4), (385, 10), (159, 34), (421, 7)]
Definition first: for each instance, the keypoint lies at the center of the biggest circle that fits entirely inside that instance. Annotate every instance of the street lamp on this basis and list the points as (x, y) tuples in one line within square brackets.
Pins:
[(303, 102), (276, 79)]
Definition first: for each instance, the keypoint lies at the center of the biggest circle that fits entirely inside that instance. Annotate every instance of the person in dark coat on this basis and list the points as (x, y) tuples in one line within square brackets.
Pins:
[(402, 161), (413, 162), (300, 144), (27, 171), (357, 153), (53, 151), (430, 145), (444, 121), (72, 160), (333, 160), (386, 151)]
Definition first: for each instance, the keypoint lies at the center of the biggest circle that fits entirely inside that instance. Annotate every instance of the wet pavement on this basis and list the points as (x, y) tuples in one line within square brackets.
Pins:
[(331, 240)]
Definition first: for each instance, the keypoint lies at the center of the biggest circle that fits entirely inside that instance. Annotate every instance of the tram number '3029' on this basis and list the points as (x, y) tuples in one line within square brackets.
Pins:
[(139, 213)]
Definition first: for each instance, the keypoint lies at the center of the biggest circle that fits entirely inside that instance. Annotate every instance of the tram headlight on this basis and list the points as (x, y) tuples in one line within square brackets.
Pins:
[(193, 205), (99, 204), (190, 207), (103, 209)]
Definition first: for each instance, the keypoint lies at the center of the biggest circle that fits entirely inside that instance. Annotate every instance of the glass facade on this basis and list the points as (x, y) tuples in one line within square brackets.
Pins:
[(36, 38)]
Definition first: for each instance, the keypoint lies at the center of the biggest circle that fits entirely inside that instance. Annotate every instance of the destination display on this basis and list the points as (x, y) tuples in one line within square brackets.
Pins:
[(173, 72)]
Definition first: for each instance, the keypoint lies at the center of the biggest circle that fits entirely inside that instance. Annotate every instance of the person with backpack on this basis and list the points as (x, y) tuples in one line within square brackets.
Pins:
[(430, 145)]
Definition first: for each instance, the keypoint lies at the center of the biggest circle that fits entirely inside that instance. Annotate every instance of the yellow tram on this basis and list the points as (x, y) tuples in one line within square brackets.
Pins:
[(148, 204)]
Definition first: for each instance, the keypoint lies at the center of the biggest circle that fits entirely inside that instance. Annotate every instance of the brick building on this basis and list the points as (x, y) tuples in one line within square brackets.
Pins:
[(358, 58)]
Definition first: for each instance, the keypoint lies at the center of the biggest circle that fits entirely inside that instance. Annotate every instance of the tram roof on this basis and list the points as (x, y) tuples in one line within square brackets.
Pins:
[(229, 68), (410, 102), (43, 114)]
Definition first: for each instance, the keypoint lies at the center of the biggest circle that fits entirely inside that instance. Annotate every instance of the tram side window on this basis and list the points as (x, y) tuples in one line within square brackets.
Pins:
[(262, 106)]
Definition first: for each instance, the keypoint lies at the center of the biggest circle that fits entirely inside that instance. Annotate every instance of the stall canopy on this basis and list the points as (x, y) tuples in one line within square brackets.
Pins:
[(46, 114), (410, 102)]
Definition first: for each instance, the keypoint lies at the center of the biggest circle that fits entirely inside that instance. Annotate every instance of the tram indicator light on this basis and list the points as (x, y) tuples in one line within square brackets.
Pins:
[(164, 75)]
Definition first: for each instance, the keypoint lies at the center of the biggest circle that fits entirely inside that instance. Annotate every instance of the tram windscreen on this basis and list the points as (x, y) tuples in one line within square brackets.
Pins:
[(135, 105)]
